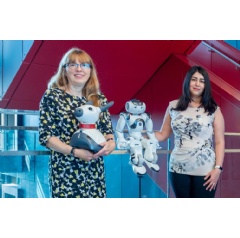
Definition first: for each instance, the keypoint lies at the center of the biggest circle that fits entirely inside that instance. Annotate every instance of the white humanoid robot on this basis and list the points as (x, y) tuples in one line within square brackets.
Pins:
[(142, 150)]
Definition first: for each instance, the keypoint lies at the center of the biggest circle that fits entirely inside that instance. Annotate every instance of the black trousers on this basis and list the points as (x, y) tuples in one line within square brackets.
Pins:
[(189, 186)]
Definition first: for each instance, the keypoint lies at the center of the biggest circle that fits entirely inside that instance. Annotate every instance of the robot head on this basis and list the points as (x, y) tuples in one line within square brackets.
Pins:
[(88, 113), (135, 106)]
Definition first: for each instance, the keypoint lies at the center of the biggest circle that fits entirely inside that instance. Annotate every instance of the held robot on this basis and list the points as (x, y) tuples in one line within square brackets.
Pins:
[(141, 149), (88, 136)]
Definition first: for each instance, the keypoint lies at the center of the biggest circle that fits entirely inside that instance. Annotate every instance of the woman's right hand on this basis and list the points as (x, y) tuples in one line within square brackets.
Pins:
[(83, 154)]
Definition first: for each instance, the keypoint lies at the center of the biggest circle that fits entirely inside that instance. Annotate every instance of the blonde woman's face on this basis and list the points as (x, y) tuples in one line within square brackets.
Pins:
[(78, 73)]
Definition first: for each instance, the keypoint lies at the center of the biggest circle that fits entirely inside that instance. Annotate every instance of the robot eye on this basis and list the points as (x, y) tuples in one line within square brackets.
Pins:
[(90, 109)]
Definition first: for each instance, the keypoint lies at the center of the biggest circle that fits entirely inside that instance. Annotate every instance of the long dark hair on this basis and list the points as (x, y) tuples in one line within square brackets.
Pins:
[(207, 101)]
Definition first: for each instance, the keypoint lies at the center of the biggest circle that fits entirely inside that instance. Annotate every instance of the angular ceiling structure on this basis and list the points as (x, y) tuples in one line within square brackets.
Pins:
[(123, 66)]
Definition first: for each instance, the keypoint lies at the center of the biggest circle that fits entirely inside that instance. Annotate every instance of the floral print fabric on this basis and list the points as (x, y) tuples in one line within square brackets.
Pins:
[(70, 176), (193, 151)]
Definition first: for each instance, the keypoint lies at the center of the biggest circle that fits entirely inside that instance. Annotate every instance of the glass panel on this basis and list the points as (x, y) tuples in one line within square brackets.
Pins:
[(234, 43), (122, 182), (12, 54), (24, 164)]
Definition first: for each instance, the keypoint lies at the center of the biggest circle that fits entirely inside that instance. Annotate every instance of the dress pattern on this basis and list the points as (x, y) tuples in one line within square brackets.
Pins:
[(71, 177), (193, 151)]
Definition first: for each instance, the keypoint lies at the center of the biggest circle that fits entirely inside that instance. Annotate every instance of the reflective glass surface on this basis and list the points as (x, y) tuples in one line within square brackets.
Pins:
[(24, 164)]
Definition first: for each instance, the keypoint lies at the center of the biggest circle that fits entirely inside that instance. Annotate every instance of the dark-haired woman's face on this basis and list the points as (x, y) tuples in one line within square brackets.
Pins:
[(197, 85)]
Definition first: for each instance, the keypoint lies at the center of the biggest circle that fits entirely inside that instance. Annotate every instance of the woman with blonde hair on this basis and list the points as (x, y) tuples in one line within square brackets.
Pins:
[(75, 173)]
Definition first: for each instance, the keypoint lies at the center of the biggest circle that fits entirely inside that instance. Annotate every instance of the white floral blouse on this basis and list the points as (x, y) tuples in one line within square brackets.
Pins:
[(193, 151)]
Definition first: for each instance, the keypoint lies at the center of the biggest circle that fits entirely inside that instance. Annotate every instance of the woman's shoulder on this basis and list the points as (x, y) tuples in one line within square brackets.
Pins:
[(101, 95), (53, 91), (52, 94), (102, 98), (173, 103)]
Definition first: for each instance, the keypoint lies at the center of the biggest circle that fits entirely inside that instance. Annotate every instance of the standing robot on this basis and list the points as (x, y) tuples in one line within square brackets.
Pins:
[(141, 149)]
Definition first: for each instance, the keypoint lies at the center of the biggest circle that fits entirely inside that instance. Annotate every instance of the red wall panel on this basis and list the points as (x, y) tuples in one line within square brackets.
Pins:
[(124, 67), (219, 65)]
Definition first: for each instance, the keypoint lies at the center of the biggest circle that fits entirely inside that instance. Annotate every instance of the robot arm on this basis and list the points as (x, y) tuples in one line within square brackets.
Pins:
[(121, 141)]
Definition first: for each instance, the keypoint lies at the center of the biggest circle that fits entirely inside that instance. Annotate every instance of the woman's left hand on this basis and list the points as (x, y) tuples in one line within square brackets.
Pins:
[(212, 179), (108, 147)]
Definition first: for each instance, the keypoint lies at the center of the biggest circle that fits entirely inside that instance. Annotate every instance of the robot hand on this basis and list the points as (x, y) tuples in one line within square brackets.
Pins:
[(122, 144), (157, 144), (155, 141)]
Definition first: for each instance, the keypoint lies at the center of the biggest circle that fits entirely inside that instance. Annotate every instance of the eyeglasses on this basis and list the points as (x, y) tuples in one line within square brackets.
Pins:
[(74, 66)]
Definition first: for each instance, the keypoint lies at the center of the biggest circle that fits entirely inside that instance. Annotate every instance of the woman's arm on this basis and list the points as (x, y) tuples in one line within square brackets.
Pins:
[(57, 145), (219, 129), (106, 128), (166, 130)]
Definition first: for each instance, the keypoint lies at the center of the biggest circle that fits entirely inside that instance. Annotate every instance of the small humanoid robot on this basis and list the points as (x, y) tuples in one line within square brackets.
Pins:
[(141, 149), (88, 136)]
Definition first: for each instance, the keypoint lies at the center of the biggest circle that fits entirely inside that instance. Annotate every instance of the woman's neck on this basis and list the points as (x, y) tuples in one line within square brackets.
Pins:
[(195, 102), (75, 91)]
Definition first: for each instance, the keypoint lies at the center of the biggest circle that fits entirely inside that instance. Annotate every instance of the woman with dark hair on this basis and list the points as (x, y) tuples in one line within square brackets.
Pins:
[(194, 166), (73, 172)]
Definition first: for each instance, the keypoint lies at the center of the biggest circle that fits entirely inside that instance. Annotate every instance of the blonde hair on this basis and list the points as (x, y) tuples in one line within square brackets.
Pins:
[(92, 86)]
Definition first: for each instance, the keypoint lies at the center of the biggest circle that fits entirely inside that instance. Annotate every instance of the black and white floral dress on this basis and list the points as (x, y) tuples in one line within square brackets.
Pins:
[(71, 177), (193, 151)]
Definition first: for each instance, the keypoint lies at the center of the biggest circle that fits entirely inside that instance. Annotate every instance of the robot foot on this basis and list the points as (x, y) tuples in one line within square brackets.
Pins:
[(139, 170), (152, 166)]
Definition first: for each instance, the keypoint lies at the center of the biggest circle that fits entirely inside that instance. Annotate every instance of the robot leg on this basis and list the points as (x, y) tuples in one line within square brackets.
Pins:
[(136, 158), (153, 165), (150, 155)]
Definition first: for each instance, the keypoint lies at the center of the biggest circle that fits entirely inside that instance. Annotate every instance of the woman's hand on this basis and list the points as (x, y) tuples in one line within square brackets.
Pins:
[(83, 154), (108, 147), (212, 179)]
